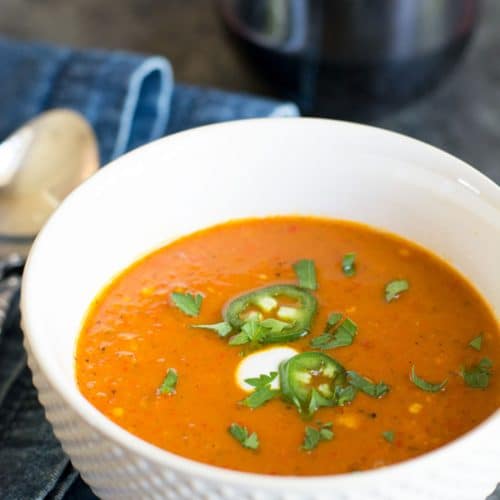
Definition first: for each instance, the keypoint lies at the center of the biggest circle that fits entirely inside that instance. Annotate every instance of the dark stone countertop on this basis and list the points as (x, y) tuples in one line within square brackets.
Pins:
[(461, 116)]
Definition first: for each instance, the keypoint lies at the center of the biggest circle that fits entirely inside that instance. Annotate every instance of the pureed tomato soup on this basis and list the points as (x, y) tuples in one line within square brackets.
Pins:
[(395, 352)]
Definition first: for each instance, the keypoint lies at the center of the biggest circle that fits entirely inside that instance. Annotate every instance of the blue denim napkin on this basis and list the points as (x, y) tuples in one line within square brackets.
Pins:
[(129, 99)]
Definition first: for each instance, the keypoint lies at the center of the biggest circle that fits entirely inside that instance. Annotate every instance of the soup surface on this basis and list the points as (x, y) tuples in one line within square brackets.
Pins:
[(407, 364)]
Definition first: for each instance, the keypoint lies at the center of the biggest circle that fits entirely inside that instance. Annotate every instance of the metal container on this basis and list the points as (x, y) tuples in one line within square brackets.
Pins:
[(352, 58)]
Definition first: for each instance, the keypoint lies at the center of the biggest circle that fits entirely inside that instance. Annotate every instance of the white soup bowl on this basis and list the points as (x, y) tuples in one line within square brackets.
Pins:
[(252, 168)]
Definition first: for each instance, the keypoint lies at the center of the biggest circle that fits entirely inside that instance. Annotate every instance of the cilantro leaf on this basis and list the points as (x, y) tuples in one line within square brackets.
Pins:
[(318, 401), (306, 273), (263, 391), (255, 331), (333, 319), (323, 341), (388, 436), (251, 332), (345, 395), (477, 342), (241, 435), (341, 339), (366, 386), (346, 332), (349, 327), (275, 325), (349, 264), (313, 436), (251, 442), (223, 329), (326, 434), (311, 439), (261, 380), (343, 336), (394, 288), (424, 385), (478, 376), (187, 302), (169, 382), (260, 396), (239, 339)]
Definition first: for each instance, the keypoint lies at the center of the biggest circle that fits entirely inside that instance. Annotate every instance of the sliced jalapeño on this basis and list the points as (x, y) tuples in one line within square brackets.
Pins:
[(311, 380), (289, 307)]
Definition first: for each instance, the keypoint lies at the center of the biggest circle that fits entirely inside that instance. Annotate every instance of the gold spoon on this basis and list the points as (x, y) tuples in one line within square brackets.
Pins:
[(40, 164)]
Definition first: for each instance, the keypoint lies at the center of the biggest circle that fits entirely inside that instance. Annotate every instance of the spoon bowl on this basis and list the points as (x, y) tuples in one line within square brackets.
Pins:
[(40, 164)]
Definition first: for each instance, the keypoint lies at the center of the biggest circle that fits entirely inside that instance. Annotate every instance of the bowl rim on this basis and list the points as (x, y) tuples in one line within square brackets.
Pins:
[(104, 427)]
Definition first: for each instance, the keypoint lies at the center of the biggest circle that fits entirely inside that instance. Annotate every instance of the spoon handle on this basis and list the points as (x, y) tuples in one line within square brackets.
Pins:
[(13, 264), (12, 248), (10, 282)]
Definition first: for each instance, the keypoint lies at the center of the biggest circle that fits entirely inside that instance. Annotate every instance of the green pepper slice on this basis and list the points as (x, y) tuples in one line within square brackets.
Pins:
[(310, 380), (284, 303)]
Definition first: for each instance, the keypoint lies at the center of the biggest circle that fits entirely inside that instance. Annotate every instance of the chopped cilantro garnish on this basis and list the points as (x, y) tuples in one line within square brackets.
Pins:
[(424, 385), (394, 288), (333, 319), (263, 391), (252, 332), (349, 264), (260, 396), (477, 342), (306, 274), (323, 341), (223, 329), (345, 333), (326, 434), (261, 380), (388, 436), (342, 336), (478, 376), (318, 401), (169, 382), (275, 325), (313, 436), (366, 386), (311, 439), (239, 339), (345, 395), (241, 435), (188, 303)]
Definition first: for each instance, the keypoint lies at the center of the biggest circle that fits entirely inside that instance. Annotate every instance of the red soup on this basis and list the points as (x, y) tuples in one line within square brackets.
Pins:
[(381, 350)]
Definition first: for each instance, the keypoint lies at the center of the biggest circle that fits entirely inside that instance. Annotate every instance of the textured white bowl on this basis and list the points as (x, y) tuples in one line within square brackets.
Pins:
[(251, 168)]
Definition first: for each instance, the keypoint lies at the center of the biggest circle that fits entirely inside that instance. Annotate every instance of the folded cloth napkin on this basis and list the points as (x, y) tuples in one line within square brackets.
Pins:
[(129, 99)]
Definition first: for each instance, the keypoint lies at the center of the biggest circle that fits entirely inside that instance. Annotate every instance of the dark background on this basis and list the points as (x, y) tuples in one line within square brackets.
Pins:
[(188, 32), (461, 116)]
